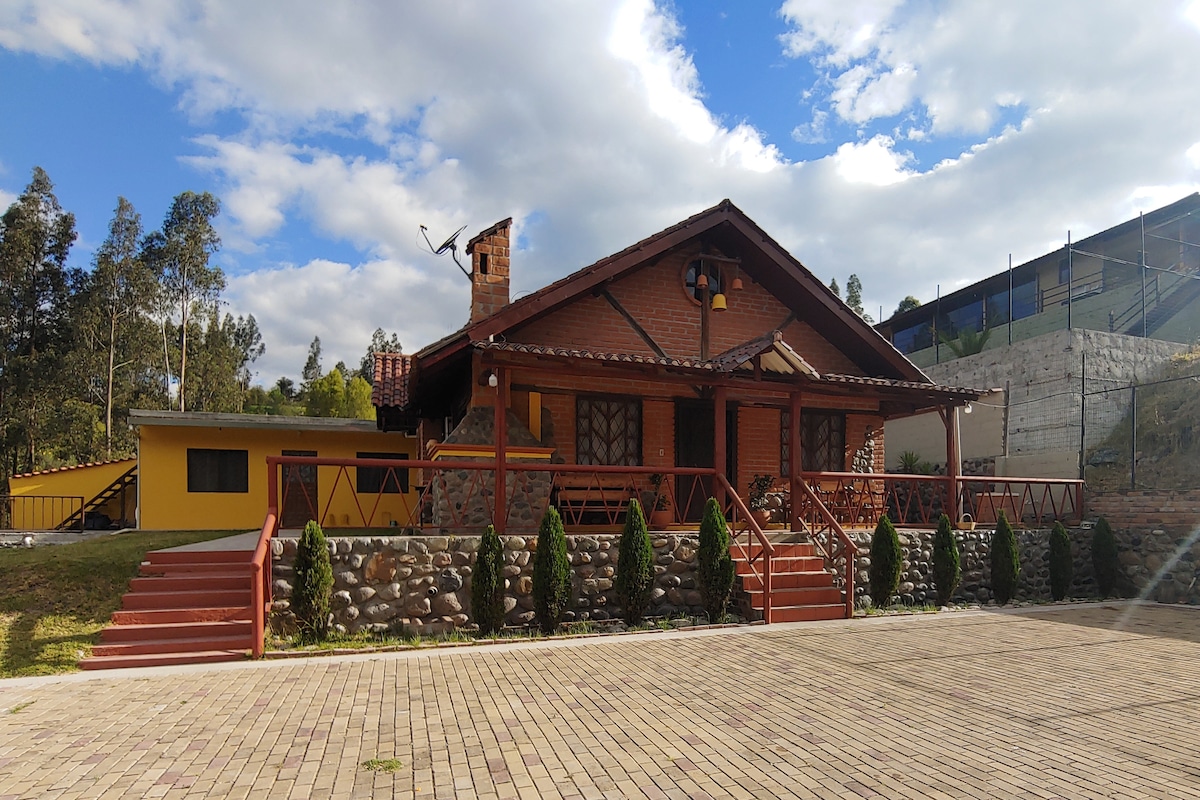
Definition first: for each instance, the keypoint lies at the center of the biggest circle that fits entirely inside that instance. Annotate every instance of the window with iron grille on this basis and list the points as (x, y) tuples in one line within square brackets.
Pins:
[(211, 470), (373, 480), (823, 441), (608, 430)]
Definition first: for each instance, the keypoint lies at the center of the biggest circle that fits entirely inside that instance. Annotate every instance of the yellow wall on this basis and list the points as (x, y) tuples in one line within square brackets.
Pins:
[(166, 504), (84, 481)]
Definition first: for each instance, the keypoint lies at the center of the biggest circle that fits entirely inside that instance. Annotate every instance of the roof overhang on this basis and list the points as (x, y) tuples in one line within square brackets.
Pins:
[(202, 419)]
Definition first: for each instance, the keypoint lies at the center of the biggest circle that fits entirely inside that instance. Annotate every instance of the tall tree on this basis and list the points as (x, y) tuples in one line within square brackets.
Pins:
[(854, 297), (181, 253), (833, 287), (248, 345), (380, 343), (907, 304), (312, 365), (119, 296), (35, 239)]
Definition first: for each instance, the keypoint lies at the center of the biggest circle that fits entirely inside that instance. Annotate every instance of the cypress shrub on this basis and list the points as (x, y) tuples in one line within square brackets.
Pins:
[(635, 565), (947, 571), (551, 573), (886, 562), (313, 589), (1006, 561), (1104, 558), (487, 583), (1061, 563), (715, 565)]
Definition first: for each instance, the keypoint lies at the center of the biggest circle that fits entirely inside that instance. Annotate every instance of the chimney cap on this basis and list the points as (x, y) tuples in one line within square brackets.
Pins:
[(479, 237)]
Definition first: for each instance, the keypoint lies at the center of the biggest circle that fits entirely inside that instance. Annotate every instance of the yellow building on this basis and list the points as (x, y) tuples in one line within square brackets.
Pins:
[(54, 498), (201, 471)]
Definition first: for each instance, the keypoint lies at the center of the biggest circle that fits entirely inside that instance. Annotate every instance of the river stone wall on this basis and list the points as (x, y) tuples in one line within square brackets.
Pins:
[(1164, 566), (422, 584)]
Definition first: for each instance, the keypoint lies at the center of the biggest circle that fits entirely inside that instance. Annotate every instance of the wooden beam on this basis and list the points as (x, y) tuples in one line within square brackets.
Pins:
[(953, 460), (500, 514), (795, 403), (720, 456), (633, 323)]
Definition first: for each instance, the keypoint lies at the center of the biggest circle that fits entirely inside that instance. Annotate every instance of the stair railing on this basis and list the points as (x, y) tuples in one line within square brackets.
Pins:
[(829, 538), (751, 528), (260, 572)]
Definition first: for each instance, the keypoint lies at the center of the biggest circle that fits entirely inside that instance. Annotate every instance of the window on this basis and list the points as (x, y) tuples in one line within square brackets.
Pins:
[(1064, 271), (608, 430), (693, 269), (374, 480), (822, 439), (1024, 299), (217, 470), (914, 338)]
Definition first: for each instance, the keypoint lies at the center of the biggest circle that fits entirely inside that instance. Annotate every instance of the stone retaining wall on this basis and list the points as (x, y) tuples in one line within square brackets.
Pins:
[(422, 584), (1143, 555), (1176, 512)]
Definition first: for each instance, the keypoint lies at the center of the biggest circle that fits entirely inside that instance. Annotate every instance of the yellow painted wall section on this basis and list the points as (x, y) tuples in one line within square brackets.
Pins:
[(166, 504), (74, 482)]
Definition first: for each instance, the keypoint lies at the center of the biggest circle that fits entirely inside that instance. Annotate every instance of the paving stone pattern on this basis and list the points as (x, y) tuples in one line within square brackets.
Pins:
[(1053, 702)]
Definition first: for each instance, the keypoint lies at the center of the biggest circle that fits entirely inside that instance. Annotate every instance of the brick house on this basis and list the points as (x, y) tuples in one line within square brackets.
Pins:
[(706, 345)]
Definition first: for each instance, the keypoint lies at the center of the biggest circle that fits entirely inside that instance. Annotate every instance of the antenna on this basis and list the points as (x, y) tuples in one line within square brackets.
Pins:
[(450, 244)]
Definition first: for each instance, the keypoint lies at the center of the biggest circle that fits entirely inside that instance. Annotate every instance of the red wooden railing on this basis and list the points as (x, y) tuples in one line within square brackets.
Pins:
[(742, 521), (831, 540)]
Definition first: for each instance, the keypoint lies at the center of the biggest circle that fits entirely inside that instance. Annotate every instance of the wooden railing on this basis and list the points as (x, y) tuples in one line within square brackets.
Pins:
[(742, 521), (38, 512), (831, 540)]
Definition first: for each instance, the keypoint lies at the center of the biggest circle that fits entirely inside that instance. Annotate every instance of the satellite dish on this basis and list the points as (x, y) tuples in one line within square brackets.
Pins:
[(450, 244)]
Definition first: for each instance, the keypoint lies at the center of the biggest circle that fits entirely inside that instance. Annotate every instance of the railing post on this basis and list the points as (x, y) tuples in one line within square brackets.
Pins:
[(850, 566), (501, 436)]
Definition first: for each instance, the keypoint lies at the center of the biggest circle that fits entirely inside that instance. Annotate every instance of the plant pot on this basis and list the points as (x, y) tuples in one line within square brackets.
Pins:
[(661, 518), (762, 516)]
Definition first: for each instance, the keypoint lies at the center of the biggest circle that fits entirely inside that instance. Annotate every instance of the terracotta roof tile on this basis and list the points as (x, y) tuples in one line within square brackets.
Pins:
[(75, 466), (393, 372)]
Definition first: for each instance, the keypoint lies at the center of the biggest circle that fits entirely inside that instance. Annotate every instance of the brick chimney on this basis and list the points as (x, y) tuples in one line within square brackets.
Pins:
[(489, 270)]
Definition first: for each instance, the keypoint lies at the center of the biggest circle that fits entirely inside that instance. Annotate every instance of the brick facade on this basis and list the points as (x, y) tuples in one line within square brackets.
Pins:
[(1176, 512)]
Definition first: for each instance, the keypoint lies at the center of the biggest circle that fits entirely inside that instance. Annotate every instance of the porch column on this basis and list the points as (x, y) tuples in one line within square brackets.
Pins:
[(794, 460), (953, 460), (719, 434), (501, 437)]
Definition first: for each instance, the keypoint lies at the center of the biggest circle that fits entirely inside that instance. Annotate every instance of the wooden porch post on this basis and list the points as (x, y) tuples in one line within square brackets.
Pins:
[(719, 434), (794, 460), (953, 460), (501, 435)]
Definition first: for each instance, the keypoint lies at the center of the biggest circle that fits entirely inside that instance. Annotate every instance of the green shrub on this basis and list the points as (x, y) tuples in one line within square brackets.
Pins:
[(1006, 561), (715, 567), (1061, 562), (635, 565), (947, 571), (1104, 559), (487, 583), (886, 562), (313, 588), (551, 573)]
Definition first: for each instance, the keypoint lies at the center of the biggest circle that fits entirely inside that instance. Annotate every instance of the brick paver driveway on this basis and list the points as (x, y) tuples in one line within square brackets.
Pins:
[(1050, 702)]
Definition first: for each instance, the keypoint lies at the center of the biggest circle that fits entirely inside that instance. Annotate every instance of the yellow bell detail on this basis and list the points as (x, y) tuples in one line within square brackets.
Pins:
[(718, 302)]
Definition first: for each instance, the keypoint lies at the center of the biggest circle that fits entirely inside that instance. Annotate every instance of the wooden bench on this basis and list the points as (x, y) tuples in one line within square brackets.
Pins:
[(590, 499)]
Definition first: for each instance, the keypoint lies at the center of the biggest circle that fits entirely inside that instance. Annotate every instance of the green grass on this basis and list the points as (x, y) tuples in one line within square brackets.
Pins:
[(381, 765), (55, 599)]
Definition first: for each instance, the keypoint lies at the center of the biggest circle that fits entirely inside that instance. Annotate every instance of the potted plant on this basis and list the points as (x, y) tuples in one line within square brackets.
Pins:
[(757, 502), (655, 503)]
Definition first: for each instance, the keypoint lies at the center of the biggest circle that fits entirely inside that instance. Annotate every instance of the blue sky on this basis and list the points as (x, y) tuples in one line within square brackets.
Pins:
[(916, 144)]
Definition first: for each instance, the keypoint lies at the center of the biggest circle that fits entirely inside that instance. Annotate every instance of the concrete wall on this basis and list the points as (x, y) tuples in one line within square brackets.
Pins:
[(981, 433)]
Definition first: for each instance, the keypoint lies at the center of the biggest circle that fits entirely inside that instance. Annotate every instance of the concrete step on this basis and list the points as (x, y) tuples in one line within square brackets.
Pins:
[(794, 580), (165, 631), (801, 596), (188, 599), (199, 644), (191, 582), (807, 613), (157, 615), (153, 569), (781, 550), (192, 556), (161, 659), (780, 565)]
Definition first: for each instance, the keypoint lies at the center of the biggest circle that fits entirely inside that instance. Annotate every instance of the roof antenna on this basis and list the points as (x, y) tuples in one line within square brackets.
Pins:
[(450, 245)]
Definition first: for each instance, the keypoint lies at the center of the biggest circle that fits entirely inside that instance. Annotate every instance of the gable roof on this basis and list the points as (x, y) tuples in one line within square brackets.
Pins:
[(728, 227)]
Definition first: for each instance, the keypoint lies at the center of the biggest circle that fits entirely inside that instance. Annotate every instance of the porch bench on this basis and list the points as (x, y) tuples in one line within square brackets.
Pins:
[(591, 499)]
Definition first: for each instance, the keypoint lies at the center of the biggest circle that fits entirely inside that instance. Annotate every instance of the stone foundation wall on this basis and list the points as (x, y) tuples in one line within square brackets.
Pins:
[(422, 584), (1143, 555)]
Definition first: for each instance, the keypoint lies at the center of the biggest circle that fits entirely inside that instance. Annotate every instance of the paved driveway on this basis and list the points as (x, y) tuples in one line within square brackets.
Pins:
[(1051, 702)]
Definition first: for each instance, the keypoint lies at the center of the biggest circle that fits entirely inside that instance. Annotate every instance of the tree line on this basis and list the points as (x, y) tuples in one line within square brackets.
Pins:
[(140, 327)]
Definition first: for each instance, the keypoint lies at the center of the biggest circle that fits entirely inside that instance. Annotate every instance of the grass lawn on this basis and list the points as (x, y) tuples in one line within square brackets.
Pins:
[(55, 599)]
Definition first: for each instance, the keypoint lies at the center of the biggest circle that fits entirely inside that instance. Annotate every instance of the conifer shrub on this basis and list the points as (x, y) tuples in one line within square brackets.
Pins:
[(886, 562), (635, 565), (715, 565), (1005, 561), (312, 591), (1104, 559), (551, 573), (1061, 562), (487, 583), (947, 570)]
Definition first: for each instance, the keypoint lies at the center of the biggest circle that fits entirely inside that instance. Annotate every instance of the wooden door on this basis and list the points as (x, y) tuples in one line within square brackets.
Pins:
[(299, 486), (694, 447)]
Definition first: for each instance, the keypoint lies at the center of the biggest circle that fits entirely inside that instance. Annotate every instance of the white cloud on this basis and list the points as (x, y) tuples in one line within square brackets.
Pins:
[(836, 32), (873, 162)]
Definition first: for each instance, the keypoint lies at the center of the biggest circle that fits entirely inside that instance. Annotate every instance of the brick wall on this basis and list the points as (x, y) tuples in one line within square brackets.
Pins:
[(758, 445), (1176, 512)]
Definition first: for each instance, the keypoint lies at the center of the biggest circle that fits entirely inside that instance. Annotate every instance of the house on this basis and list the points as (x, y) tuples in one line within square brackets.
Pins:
[(706, 346), (208, 471), (93, 496)]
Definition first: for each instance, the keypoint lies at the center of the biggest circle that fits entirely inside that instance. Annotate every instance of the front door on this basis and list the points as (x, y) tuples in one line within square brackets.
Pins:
[(300, 502), (694, 447)]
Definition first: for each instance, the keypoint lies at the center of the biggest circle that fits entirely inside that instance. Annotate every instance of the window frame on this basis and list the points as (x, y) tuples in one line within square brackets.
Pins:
[(377, 480), (216, 470), (632, 439)]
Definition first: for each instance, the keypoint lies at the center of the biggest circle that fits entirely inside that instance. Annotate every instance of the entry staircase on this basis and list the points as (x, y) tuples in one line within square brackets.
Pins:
[(802, 590), (185, 607), (76, 520)]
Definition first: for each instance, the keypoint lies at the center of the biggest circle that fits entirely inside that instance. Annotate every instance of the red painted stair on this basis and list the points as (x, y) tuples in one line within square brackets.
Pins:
[(185, 607), (801, 588)]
